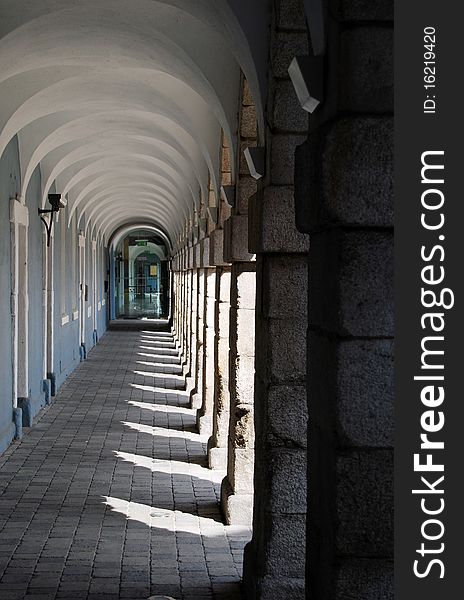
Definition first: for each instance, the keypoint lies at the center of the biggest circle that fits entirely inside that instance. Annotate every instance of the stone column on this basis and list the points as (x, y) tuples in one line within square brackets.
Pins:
[(274, 566), (188, 321), (205, 413), (192, 377), (344, 193), (183, 340), (197, 399), (217, 445), (237, 486), (177, 263)]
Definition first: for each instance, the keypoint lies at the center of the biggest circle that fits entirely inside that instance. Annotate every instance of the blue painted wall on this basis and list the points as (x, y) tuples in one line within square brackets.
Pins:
[(36, 317), (66, 276), (10, 184)]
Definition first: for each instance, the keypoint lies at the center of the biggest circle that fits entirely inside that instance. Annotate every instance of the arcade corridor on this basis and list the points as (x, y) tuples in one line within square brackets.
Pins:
[(226, 167), (109, 495)]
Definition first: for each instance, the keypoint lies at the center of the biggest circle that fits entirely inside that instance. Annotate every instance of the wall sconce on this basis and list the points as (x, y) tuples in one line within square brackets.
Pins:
[(57, 201), (255, 159), (307, 75)]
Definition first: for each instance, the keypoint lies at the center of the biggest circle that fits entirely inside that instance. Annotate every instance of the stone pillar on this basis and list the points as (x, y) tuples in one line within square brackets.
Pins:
[(275, 559), (217, 445), (188, 321), (184, 309), (192, 378), (344, 193), (177, 263), (237, 486), (205, 413), (197, 399)]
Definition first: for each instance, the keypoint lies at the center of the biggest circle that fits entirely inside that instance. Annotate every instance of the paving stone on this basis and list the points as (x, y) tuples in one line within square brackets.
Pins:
[(108, 497)]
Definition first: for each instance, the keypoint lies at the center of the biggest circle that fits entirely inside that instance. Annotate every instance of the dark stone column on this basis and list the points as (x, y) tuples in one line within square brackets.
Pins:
[(344, 190)]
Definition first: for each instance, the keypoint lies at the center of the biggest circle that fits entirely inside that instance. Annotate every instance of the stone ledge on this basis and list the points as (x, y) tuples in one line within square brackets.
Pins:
[(237, 508), (273, 224), (236, 239)]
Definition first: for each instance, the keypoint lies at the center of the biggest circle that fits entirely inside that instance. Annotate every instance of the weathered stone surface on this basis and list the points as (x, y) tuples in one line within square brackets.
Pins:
[(216, 247), (237, 508), (205, 252), (365, 579), (247, 187), (197, 255), (365, 393), (366, 69), (358, 171), (286, 47), (288, 116), (282, 588), (242, 378), (247, 98), (287, 537), (288, 415), (345, 175), (286, 336), (286, 292), (244, 431), (362, 10), (272, 223), (291, 15), (365, 503), (225, 161), (351, 278), (283, 158), (243, 286), (287, 470), (248, 123), (236, 239)]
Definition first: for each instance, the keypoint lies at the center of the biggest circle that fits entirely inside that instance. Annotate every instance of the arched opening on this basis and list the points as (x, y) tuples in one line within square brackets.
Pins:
[(141, 285), (175, 288)]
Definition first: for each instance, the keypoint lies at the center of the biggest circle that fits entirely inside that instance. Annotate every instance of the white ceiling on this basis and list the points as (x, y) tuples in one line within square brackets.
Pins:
[(122, 103)]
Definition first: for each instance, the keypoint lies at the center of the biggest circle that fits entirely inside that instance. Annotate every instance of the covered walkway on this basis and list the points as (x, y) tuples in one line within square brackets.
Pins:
[(224, 167), (109, 495)]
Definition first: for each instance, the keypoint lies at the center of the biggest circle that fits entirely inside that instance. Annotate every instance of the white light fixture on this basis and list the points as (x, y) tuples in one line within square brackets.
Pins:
[(307, 75), (254, 157)]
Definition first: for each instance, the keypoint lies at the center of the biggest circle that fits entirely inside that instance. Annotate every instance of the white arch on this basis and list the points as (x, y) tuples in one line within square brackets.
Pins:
[(119, 99)]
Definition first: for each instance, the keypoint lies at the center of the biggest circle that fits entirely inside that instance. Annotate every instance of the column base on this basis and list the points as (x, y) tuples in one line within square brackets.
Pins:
[(204, 424), (18, 423), (195, 401), (46, 387), (52, 378), (189, 383), (266, 587), (217, 457), (237, 508), (25, 405)]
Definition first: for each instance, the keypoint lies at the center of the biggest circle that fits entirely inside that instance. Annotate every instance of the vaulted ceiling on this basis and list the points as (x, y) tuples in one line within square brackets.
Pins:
[(123, 103)]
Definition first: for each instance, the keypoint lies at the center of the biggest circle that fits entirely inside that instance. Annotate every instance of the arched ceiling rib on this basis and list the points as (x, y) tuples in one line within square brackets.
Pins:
[(123, 105)]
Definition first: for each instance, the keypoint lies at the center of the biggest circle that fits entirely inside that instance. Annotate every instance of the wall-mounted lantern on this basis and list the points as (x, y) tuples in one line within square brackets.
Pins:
[(255, 159), (307, 75), (57, 201)]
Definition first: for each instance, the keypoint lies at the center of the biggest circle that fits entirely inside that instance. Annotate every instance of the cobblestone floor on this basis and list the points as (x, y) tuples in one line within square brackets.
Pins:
[(107, 497)]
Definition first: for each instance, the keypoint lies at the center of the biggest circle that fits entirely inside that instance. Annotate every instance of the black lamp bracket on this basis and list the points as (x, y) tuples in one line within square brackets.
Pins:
[(48, 224), (57, 201)]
